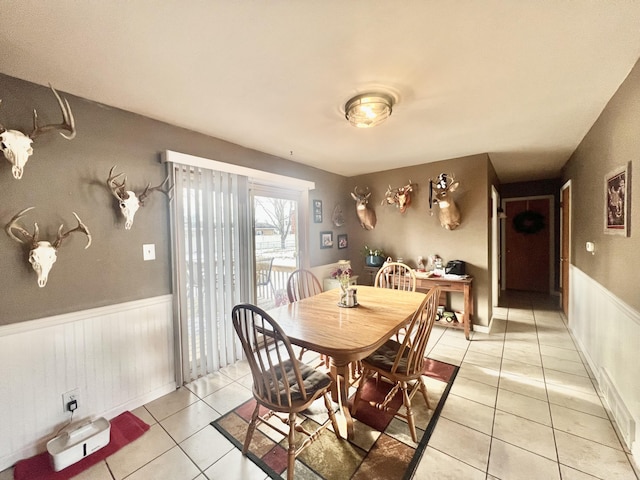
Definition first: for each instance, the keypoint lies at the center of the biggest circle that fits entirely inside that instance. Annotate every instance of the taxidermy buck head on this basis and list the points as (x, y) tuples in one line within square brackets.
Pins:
[(366, 214), (128, 200), (440, 193), (400, 197), (16, 145), (42, 254)]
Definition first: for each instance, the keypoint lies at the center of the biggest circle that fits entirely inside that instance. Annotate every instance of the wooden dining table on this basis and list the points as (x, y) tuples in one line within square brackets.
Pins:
[(346, 334)]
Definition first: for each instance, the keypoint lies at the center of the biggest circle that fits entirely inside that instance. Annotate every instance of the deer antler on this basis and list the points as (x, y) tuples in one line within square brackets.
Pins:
[(80, 228), (68, 123), (32, 239), (117, 189), (160, 188)]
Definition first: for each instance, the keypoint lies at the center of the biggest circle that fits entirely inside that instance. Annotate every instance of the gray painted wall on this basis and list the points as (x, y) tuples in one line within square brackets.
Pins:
[(614, 140), (64, 176)]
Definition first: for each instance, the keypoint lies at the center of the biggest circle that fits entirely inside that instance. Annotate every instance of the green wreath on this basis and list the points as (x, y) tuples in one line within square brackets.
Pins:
[(528, 222)]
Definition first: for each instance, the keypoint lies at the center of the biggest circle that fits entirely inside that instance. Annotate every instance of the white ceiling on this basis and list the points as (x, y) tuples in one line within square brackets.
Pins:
[(521, 80)]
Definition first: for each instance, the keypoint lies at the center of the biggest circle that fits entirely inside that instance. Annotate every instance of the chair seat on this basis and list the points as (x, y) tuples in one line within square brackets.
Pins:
[(313, 380), (385, 356)]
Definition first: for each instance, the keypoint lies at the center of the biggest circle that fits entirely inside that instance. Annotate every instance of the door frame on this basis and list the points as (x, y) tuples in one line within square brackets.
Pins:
[(563, 240), (503, 249), (495, 247)]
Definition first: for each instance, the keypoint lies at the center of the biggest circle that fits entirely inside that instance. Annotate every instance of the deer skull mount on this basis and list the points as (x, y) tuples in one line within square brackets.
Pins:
[(440, 193), (128, 201), (42, 254), (16, 146), (400, 197), (366, 214)]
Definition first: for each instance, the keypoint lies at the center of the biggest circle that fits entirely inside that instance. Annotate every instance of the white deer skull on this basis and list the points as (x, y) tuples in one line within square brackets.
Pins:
[(16, 146), (128, 201), (43, 254)]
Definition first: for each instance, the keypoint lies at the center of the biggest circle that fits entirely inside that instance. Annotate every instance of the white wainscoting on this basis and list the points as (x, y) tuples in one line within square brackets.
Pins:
[(608, 333), (120, 357)]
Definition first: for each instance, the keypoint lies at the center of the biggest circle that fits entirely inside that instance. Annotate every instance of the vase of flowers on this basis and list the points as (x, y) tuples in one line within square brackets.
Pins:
[(373, 257), (343, 275)]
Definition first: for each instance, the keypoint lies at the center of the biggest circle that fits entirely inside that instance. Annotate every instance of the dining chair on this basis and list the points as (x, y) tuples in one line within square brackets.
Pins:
[(263, 273), (281, 383), (302, 284), (402, 363), (396, 275)]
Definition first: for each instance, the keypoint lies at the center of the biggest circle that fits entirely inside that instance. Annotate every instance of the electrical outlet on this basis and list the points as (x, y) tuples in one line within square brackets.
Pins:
[(69, 397), (149, 251)]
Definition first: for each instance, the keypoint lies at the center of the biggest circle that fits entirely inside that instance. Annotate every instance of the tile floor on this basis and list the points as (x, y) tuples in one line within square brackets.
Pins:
[(522, 407)]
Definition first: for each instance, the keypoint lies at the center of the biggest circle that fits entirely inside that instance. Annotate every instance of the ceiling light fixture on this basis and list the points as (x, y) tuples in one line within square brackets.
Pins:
[(368, 110)]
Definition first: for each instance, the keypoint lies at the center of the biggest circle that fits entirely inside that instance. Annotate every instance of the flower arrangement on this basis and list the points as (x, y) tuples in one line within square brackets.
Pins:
[(368, 251), (343, 275)]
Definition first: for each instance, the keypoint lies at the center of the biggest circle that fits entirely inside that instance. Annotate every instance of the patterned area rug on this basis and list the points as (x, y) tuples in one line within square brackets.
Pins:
[(382, 447)]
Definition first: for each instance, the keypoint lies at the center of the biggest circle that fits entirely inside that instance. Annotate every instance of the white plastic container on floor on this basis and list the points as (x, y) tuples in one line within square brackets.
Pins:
[(71, 447)]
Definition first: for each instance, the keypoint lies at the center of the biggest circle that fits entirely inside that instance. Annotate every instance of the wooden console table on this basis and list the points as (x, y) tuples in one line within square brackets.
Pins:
[(446, 285)]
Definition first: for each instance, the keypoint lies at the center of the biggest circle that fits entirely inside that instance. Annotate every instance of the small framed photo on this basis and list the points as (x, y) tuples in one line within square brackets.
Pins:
[(617, 189), (317, 211), (343, 242), (326, 239)]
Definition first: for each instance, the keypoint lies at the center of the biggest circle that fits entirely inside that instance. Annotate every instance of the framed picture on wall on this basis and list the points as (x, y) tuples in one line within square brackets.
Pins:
[(343, 241), (617, 189), (317, 211), (326, 239)]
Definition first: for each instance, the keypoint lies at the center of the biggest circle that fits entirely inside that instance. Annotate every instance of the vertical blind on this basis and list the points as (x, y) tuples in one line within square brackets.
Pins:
[(212, 264)]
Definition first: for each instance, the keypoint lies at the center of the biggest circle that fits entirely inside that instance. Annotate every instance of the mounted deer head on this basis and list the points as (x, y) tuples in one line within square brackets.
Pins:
[(16, 145), (128, 201), (440, 193), (400, 197), (366, 214), (42, 254)]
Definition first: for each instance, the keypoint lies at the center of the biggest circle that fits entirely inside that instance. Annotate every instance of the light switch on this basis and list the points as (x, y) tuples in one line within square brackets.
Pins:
[(149, 251)]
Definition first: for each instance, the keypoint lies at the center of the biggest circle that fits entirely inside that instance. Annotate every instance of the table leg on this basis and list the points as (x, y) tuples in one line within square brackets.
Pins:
[(340, 392)]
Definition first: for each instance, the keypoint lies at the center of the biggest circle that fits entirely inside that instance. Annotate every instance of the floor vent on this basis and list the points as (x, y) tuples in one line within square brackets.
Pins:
[(624, 421)]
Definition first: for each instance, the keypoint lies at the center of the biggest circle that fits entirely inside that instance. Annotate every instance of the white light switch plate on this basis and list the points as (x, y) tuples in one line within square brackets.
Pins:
[(149, 251)]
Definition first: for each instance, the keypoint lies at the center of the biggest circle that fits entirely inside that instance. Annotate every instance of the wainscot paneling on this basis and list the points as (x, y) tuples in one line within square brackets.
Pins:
[(608, 333), (119, 357)]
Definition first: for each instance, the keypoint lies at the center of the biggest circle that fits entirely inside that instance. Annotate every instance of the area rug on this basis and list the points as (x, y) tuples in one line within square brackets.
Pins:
[(125, 428), (382, 447)]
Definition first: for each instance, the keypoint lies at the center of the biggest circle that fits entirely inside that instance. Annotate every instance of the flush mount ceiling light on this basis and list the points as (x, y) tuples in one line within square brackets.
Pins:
[(368, 110)]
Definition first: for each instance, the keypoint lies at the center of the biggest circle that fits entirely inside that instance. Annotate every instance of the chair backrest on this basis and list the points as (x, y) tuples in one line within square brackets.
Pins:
[(263, 271), (415, 341), (396, 275), (274, 368), (302, 284)]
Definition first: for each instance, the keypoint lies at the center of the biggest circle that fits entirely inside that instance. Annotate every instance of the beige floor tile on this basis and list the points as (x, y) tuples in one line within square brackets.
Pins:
[(515, 367), (476, 391), (100, 471), (229, 397), (479, 374), (208, 384), (447, 354), (522, 352), (593, 458), (526, 434), (577, 400), (584, 425), (171, 403), (172, 465), (507, 461), (454, 338), (7, 474), (562, 340), (143, 414), (188, 421), (568, 380), (469, 413), (486, 344), (569, 473), (524, 386), (138, 453), (435, 464), (463, 443), (206, 447), (483, 360), (523, 406), (233, 466), (237, 370), (563, 353), (566, 366)]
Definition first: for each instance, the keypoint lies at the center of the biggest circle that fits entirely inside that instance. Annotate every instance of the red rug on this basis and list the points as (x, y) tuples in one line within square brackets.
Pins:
[(125, 428)]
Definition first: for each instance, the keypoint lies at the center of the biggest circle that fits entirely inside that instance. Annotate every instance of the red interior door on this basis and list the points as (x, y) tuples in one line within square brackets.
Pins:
[(527, 254)]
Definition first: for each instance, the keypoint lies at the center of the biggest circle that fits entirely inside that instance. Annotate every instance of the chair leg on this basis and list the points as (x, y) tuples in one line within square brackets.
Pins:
[(332, 415), (356, 399), (423, 389), (251, 429), (291, 455), (407, 405)]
